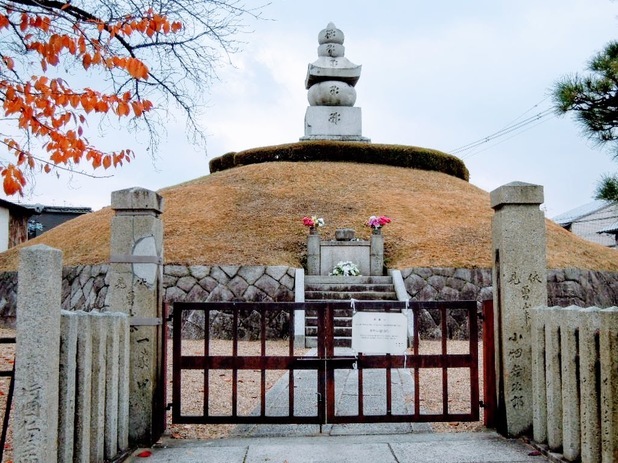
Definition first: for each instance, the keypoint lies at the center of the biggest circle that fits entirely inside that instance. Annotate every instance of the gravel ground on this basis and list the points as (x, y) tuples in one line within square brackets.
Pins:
[(249, 380)]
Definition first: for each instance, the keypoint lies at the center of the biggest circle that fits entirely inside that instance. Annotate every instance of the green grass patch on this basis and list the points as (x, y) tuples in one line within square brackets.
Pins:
[(411, 157)]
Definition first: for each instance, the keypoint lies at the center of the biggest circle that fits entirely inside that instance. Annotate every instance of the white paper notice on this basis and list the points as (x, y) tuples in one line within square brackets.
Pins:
[(379, 333)]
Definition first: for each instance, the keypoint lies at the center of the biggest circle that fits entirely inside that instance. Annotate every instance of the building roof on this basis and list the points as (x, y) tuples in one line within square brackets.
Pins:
[(19, 208), (611, 229), (39, 209), (580, 212)]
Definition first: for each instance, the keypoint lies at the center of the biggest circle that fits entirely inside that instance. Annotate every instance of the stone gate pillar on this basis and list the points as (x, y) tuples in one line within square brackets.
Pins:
[(520, 283), (135, 289), (37, 357)]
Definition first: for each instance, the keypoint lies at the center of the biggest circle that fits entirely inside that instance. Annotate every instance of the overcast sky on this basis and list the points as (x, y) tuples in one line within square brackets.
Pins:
[(438, 74)]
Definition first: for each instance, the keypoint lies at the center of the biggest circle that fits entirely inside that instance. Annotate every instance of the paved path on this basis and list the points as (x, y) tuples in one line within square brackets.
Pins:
[(346, 403), (354, 443), (386, 448)]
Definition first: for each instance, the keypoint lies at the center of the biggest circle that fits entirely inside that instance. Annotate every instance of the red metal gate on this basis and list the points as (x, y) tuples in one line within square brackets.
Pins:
[(317, 385)]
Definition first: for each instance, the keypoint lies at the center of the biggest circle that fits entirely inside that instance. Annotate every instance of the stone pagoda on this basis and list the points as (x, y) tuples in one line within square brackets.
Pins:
[(330, 83)]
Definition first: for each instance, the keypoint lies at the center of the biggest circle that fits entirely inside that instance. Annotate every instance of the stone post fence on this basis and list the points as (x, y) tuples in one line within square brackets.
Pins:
[(575, 382), (71, 371)]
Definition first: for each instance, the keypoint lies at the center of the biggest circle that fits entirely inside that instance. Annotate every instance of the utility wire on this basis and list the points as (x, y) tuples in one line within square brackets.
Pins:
[(528, 110), (518, 132), (503, 132), (509, 128)]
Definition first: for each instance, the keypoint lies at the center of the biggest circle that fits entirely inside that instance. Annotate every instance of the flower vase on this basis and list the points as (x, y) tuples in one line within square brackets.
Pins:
[(313, 231), (376, 231)]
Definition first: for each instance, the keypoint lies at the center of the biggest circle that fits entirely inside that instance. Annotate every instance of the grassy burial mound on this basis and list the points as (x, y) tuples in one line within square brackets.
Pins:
[(251, 215)]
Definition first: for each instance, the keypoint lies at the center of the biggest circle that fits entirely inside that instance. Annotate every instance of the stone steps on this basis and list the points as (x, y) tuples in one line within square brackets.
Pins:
[(340, 289), (344, 287), (347, 295), (362, 280)]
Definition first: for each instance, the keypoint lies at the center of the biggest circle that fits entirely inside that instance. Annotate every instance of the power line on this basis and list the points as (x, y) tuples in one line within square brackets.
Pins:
[(519, 132), (503, 132), (511, 127)]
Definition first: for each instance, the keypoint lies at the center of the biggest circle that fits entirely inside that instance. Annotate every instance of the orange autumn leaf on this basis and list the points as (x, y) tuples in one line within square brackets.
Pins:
[(122, 109), (52, 110), (9, 62), (14, 180), (137, 108)]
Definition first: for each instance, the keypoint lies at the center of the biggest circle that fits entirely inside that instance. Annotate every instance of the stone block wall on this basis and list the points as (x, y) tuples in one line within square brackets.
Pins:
[(565, 287), (582, 288), (199, 283), (85, 287), (447, 284)]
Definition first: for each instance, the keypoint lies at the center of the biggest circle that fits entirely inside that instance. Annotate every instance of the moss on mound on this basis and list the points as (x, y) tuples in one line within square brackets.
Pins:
[(411, 157)]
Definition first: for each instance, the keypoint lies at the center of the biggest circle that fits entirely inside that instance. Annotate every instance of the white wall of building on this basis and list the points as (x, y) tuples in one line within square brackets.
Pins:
[(4, 229), (587, 227)]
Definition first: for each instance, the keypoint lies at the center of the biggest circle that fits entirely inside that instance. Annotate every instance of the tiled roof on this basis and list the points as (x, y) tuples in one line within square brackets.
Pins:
[(582, 211), (59, 209), (613, 228)]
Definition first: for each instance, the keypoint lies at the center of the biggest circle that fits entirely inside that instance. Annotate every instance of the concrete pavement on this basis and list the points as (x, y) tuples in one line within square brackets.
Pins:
[(355, 443), (486, 447)]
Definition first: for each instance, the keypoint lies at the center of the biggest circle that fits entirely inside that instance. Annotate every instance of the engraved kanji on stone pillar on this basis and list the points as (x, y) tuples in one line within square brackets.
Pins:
[(135, 289), (37, 357), (520, 283)]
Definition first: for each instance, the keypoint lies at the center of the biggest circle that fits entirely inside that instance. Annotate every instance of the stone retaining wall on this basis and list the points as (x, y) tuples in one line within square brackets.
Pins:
[(446, 284), (230, 283), (85, 287), (565, 287), (199, 283)]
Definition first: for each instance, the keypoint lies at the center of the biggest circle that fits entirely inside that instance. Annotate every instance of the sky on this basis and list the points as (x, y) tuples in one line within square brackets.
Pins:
[(440, 74)]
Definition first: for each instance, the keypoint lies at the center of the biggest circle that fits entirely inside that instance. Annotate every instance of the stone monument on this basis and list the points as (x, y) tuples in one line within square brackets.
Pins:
[(330, 83), (520, 283), (135, 274)]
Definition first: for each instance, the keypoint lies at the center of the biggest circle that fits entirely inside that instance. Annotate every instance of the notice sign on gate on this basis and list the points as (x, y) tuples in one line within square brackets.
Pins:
[(379, 333)]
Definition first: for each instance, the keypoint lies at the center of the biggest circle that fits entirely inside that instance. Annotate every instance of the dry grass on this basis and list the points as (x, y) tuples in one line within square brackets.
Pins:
[(252, 216)]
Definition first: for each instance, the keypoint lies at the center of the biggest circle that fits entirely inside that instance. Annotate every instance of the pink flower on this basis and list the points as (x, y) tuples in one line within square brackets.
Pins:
[(308, 222), (378, 221), (383, 220)]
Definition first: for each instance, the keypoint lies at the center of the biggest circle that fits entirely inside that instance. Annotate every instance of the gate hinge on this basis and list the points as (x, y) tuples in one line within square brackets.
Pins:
[(169, 406), (481, 404)]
